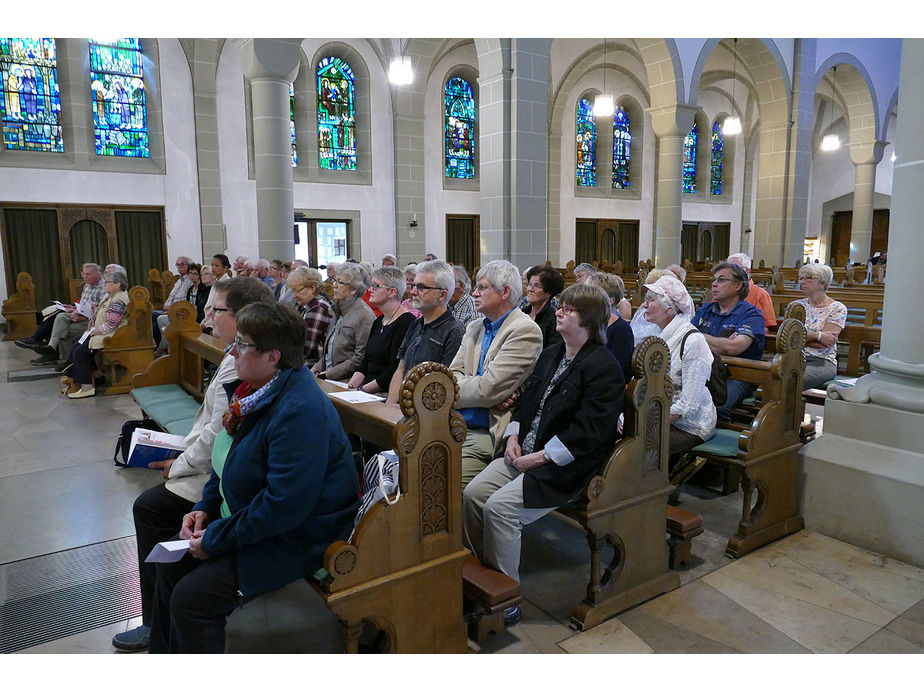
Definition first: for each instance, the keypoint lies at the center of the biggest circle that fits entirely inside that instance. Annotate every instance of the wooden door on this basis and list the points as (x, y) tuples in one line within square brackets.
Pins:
[(463, 242)]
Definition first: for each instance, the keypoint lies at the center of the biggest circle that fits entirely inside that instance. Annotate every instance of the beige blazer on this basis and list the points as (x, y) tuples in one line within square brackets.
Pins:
[(507, 365)]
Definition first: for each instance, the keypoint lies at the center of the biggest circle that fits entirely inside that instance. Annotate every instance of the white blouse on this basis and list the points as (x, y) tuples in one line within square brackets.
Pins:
[(692, 401)]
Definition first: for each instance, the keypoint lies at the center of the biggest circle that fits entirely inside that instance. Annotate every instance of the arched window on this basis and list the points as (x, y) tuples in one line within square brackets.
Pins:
[(336, 116), (30, 106), (459, 101), (689, 161), (292, 123), (718, 155), (117, 83), (622, 140), (585, 161)]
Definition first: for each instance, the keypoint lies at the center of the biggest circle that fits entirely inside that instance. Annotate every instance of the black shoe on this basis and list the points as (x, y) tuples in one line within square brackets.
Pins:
[(26, 343), (134, 640), (45, 359), (512, 616), (45, 349)]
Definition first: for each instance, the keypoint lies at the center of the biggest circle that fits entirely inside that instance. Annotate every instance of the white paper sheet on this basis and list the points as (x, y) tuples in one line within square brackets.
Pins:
[(83, 337), (168, 551), (356, 396)]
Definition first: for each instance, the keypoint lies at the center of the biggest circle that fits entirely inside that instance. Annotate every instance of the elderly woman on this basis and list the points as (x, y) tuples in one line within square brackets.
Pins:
[(669, 306), (283, 487), (381, 359), (558, 438), (543, 283), (345, 343), (410, 273), (315, 309), (824, 320), (108, 317), (641, 326), (618, 333)]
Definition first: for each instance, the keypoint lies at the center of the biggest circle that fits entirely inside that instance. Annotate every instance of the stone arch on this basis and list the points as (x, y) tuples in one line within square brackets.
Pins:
[(664, 71), (853, 93)]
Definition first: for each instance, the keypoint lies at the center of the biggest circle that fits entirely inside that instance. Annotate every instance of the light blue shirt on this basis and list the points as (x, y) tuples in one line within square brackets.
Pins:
[(477, 417)]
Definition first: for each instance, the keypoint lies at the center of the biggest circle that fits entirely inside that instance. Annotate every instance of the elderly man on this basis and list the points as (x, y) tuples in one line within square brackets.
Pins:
[(461, 302), (61, 329), (757, 296), (239, 263), (261, 270), (159, 318), (496, 357), (160, 510), (436, 334), (389, 260), (732, 327)]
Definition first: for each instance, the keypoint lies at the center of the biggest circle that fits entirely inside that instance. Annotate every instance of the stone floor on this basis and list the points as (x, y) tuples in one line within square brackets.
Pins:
[(805, 593)]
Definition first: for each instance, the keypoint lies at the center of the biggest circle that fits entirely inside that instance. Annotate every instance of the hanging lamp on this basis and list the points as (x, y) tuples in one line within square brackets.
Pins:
[(732, 124), (603, 103), (831, 142), (400, 72)]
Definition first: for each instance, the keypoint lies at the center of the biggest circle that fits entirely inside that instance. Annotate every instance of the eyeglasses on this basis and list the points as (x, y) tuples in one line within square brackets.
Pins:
[(341, 283), (567, 310), (377, 286), (242, 346), (720, 280), (423, 287), (481, 288)]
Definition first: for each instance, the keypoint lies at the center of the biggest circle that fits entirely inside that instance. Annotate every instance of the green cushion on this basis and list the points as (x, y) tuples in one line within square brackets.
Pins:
[(723, 444), (181, 427), (146, 396), (167, 404), (166, 413)]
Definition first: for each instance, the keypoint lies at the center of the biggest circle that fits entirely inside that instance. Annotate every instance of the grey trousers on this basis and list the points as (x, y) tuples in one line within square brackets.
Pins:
[(477, 452), (493, 517), (818, 371), (64, 332)]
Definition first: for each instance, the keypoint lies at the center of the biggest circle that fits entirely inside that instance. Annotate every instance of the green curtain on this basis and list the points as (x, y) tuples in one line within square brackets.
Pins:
[(88, 244), (628, 244), (720, 242), (688, 242), (608, 246), (460, 242), (140, 244), (32, 246), (585, 247)]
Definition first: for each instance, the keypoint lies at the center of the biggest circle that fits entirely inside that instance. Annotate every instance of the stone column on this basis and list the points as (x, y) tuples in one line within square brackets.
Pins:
[(671, 124), (865, 156), (869, 457), (271, 66)]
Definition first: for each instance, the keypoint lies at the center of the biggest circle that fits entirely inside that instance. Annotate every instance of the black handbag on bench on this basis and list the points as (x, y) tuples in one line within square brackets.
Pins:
[(125, 438)]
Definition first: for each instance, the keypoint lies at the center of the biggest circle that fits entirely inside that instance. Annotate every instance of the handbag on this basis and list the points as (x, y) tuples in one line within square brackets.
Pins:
[(380, 480), (717, 384), (125, 438)]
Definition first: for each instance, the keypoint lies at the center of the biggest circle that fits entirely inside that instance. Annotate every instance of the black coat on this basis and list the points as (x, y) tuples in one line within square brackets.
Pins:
[(547, 323), (202, 297), (582, 410)]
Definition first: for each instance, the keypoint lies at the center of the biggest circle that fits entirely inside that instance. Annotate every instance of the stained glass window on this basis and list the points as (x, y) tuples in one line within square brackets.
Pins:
[(689, 161), (117, 84), (718, 156), (459, 100), (622, 141), (30, 107), (292, 123), (585, 164), (336, 116)]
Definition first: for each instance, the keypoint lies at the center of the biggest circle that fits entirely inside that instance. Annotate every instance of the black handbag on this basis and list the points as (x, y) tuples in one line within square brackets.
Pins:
[(125, 438)]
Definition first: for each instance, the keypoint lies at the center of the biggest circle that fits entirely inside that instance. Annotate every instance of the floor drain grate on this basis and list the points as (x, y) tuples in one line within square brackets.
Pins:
[(60, 594)]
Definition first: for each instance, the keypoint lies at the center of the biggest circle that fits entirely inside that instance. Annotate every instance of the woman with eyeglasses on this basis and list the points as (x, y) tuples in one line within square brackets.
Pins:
[(824, 320), (387, 332), (314, 308), (283, 488), (561, 434), (543, 283), (345, 343), (197, 293)]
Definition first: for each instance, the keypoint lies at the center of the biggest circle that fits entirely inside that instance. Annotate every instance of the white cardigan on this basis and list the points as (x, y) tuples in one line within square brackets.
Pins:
[(192, 469), (692, 401)]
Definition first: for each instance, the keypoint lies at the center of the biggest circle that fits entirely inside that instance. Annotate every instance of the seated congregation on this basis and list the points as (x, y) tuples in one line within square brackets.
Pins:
[(505, 397)]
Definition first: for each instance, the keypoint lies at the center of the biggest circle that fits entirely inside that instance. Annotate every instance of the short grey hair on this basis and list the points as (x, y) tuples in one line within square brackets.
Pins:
[(743, 260), (461, 275), (612, 284), (335, 266), (91, 266), (823, 273), (242, 259), (389, 256), (356, 276), (391, 278), (114, 266), (443, 276), (410, 268), (262, 263), (585, 268), (501, 273), (118, 277), (678, 271)]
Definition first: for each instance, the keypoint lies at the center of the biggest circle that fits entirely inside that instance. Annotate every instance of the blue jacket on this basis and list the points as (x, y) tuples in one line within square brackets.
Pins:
[(291, 485), (742, 319)]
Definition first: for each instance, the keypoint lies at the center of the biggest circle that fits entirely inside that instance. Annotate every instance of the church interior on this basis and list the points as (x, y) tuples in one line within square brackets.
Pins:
[(791, 150)]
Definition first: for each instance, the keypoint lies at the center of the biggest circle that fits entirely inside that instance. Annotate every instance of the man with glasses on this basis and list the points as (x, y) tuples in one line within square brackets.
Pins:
[(496, 357), (160, 510), (732, 327), (436, 334), (159, 318)]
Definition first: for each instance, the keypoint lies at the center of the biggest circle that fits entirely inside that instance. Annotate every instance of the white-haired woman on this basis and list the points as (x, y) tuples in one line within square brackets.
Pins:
[(669, 306), (824, 320), (345, 344), (410, 273)]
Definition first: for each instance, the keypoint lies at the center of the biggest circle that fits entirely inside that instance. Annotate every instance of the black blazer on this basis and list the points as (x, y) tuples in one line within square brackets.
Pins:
[(582, 410), (547, 323), (202, 297)]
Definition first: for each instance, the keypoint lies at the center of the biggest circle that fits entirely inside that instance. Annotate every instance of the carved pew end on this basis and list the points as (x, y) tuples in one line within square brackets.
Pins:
[(682, 526), (487, 594)]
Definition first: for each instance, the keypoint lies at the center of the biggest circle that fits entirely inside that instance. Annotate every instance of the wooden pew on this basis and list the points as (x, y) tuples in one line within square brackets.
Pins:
[(19, 309), (156, 289), (765, 454), (402, 571), (623, 506), (130, 348)]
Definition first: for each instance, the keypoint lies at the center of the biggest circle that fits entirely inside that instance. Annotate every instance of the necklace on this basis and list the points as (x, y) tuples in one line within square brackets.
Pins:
[(382, 328)]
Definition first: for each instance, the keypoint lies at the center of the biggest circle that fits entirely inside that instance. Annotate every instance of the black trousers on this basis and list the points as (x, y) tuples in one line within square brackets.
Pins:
[(43, 331), (83, 363), (192, 599), (158, 514)]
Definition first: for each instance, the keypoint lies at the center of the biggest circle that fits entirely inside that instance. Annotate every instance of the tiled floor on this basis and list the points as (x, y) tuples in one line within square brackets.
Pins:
[(804, 593)]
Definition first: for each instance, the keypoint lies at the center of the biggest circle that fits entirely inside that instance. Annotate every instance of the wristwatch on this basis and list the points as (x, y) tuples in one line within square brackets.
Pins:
[(545, 457)]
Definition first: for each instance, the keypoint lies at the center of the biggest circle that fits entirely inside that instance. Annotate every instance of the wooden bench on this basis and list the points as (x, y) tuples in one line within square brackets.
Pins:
[(171, 388), (402, 571), (764, 455), (19, 309), (623, 506), (156, 288)]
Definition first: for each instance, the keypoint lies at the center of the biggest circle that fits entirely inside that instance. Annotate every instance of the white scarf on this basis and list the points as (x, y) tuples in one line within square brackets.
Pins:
[(674, 333)]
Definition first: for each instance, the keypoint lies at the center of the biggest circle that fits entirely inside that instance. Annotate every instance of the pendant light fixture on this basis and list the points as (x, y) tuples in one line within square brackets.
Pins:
[(831, 142), (732, 124), (400, 72), (603, 103)]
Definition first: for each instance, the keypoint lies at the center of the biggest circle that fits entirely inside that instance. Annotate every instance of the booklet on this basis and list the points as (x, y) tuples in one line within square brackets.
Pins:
[(153, 446), (84, 309), (168, 551), (52, 309), (357, 396)]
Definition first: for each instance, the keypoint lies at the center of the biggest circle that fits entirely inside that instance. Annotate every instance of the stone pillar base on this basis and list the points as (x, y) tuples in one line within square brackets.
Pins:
[(862, 480)]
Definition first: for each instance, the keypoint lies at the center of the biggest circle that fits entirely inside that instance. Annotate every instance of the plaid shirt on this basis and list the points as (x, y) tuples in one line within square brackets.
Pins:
[(464, 310), (178, 293), (93, 294), (318, 314)]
